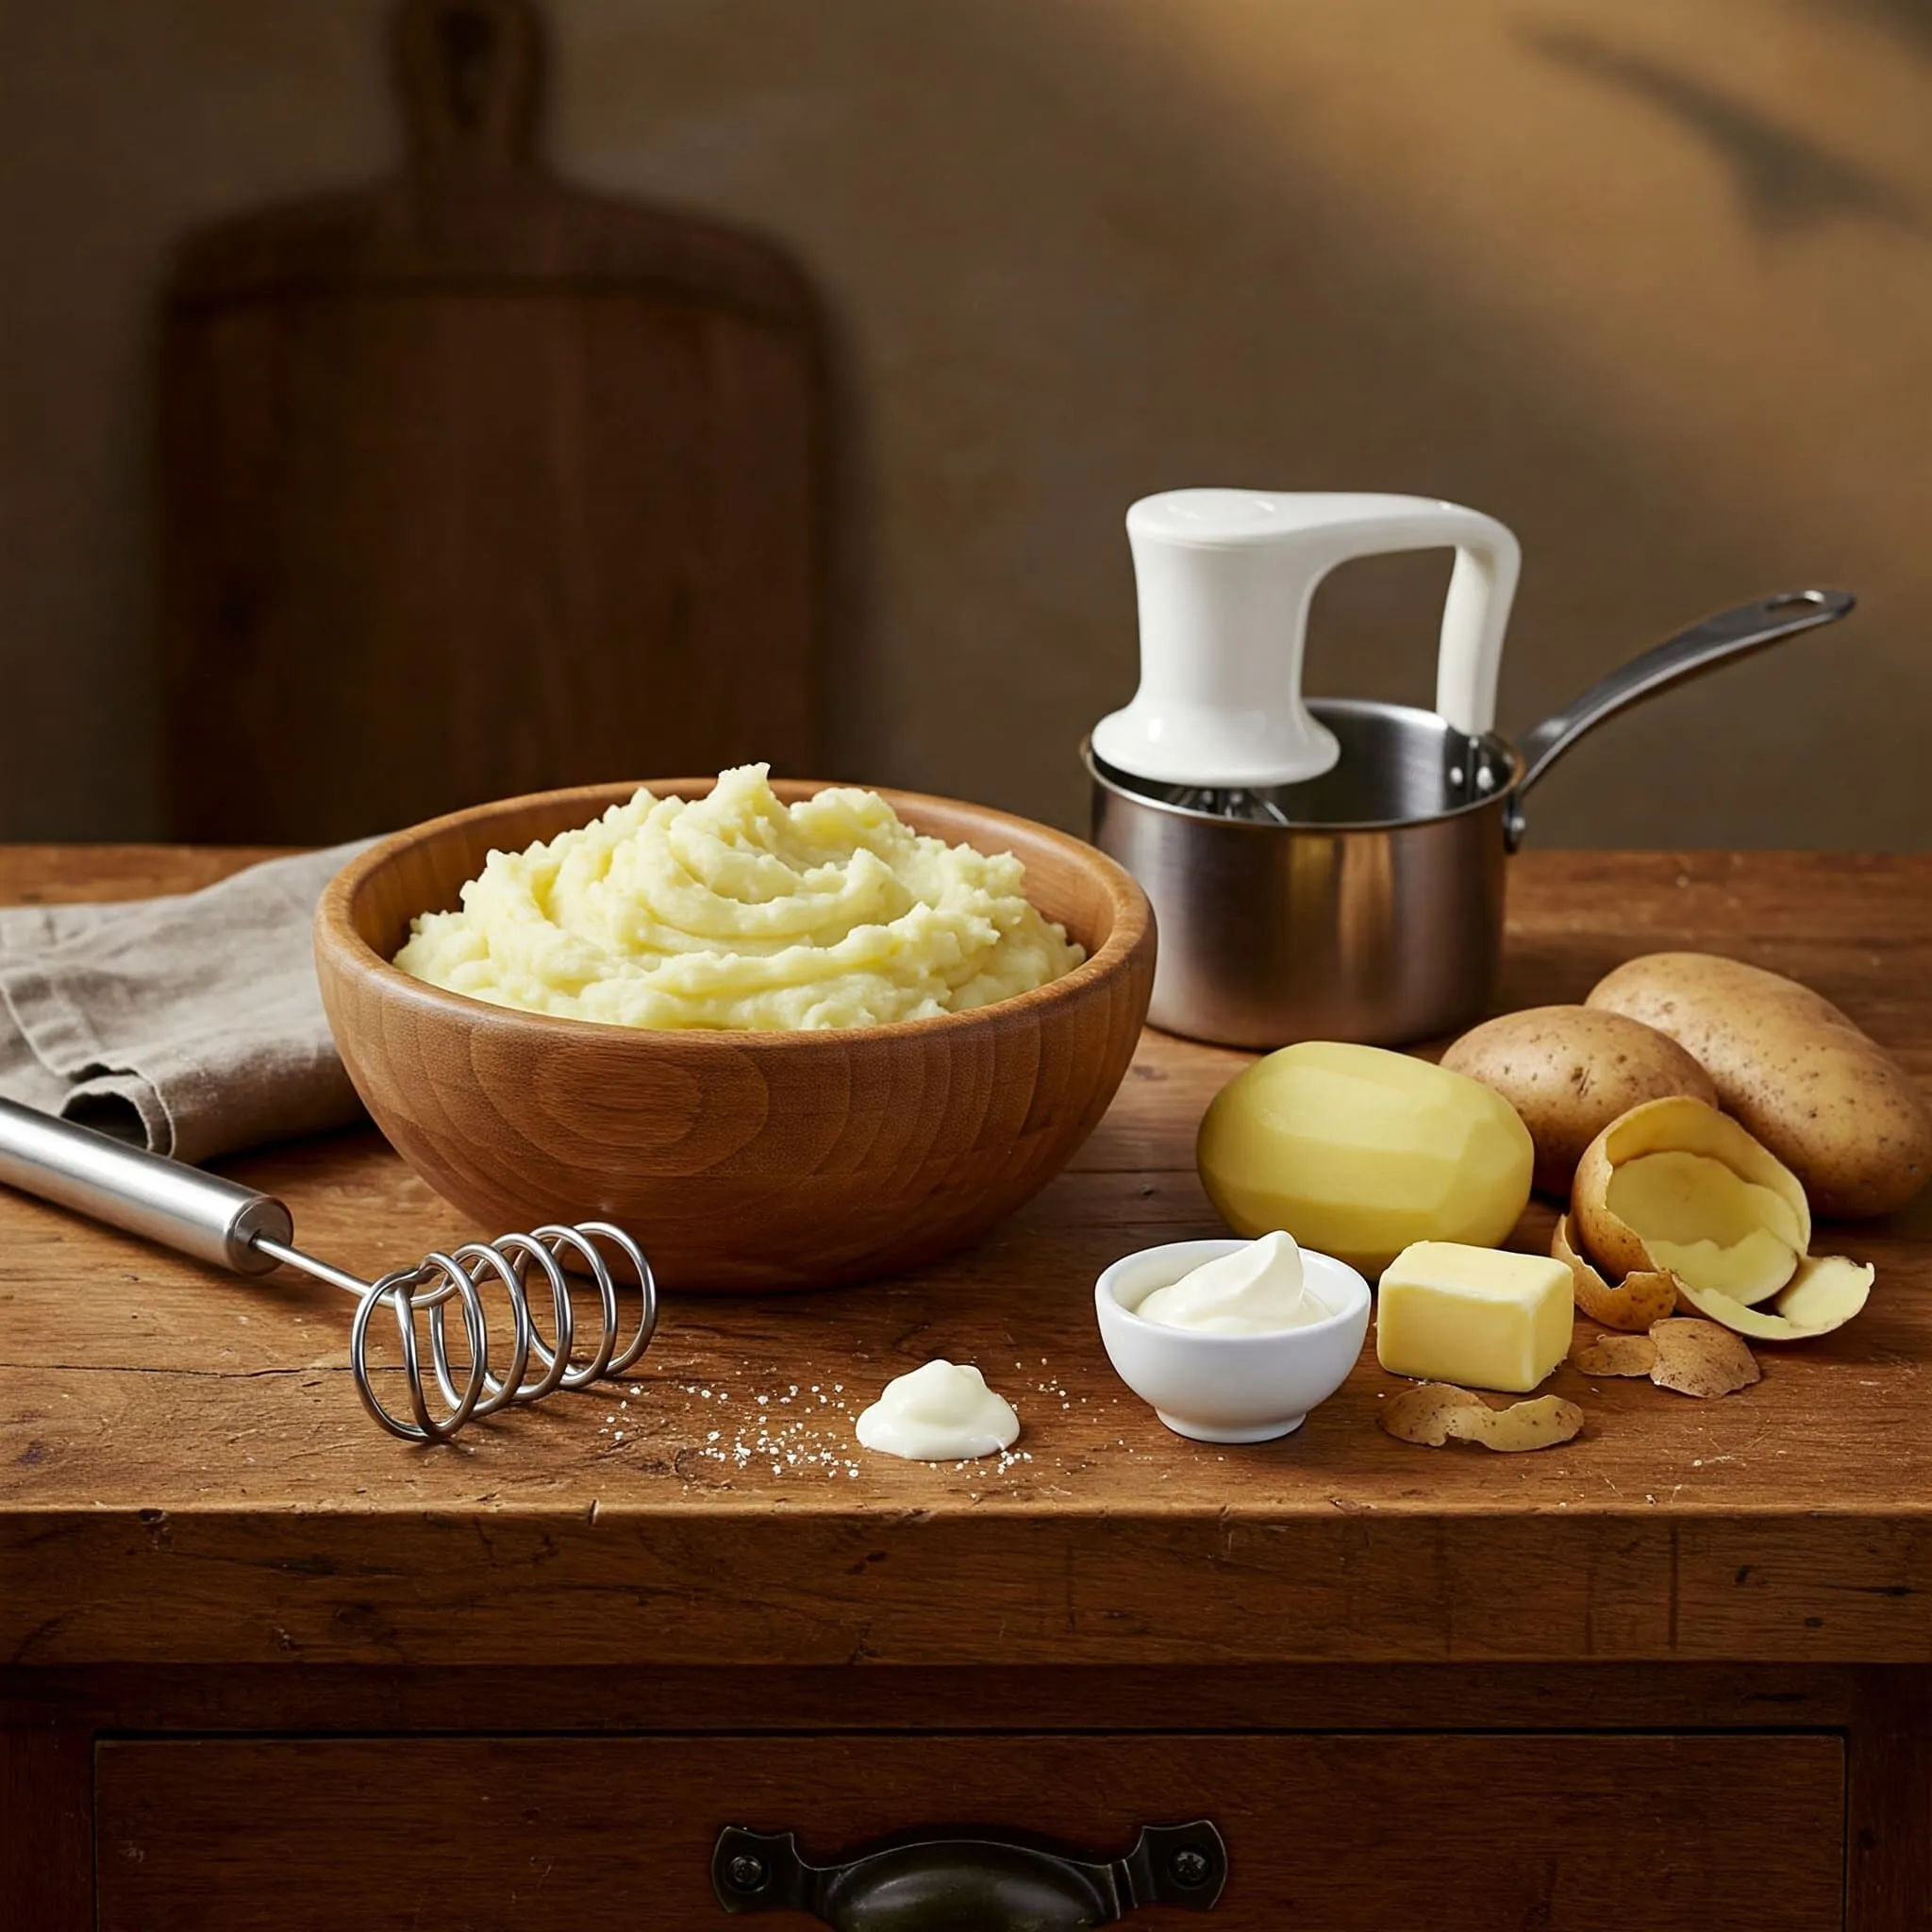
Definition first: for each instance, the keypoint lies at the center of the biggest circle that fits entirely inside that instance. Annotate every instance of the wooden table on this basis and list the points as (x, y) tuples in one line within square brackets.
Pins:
[(264, 1666)]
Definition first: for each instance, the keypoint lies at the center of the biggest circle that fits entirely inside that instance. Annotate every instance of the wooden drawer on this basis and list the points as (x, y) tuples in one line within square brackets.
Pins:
[(1446, 1831)]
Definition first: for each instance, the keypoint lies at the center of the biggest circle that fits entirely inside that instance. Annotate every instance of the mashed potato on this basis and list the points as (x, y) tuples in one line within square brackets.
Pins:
[(738, 911)]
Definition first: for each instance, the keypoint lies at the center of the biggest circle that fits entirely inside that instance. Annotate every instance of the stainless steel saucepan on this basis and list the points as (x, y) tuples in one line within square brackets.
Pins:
[(1364, 902)]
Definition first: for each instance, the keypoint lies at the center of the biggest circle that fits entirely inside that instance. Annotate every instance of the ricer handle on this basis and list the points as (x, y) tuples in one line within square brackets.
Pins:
[(1225, 578), (166, 1201)]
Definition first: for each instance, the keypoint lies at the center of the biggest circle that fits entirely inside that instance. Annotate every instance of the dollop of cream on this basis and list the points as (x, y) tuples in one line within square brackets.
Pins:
[(943, 1412), (1257, 1290), (736, 910)]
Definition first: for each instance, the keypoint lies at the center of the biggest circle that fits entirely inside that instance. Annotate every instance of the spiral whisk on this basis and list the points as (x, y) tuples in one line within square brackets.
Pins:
[(445, 1393), (451, 1311)]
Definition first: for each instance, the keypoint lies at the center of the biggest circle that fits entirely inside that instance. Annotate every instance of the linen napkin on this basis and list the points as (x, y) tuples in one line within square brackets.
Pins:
[(190, 1025)]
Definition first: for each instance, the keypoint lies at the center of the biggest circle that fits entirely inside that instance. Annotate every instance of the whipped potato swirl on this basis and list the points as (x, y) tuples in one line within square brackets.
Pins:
[(736, 912)]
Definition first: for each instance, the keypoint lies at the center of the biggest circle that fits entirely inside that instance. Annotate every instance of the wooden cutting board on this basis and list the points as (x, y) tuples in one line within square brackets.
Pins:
[(473, 483)]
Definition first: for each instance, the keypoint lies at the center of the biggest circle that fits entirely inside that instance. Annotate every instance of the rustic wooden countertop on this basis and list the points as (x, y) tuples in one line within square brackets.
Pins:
[(186, 1476)]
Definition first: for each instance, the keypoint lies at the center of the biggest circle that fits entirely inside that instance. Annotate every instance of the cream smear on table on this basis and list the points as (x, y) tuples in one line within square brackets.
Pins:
[(943, 1412)]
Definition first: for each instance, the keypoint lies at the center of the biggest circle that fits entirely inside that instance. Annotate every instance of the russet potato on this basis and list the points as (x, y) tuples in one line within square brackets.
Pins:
[(1827, 1100), (1357, 1152), (1569, 1072)]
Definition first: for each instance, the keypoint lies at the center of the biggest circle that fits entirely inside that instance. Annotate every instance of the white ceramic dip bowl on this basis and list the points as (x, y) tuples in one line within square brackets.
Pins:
[(1229, 1388)]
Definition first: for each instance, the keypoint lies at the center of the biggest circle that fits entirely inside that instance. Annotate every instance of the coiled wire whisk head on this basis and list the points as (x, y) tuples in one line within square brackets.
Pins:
[(516, 1275)]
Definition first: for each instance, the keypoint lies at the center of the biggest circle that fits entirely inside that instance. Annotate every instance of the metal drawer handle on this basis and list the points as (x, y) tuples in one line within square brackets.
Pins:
[(970, 1884)]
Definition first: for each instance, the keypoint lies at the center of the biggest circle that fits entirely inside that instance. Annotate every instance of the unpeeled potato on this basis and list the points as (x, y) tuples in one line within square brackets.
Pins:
[(1820, 1095), (1569, 1072)]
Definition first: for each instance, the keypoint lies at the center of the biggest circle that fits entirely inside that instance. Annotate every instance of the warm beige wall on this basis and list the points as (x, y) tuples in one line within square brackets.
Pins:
[(1651, 283)]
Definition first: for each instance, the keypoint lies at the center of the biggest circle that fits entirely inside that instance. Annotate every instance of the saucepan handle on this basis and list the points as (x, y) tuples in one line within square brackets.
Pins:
[(1691, 653), (971, 1884)]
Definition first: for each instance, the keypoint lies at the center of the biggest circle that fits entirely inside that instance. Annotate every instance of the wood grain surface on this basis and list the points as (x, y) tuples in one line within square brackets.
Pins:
[(185, 1474), (49, 1719), (373, 1697), (1456, 1834), (46, 1824), (473, 483), (767, 1160)]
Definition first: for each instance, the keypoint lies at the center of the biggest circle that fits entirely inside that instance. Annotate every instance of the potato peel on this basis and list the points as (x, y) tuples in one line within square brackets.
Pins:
[(1616, 1355), (1679, 1126), (1826, 1291), (1422, 1415), (1437, 1412), (1695, 1357), (1820, 1294), (1633, 1305), (1689, 1355)]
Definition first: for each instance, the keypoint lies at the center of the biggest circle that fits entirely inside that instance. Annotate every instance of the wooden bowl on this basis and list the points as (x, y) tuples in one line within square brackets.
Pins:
[(740, 1160)]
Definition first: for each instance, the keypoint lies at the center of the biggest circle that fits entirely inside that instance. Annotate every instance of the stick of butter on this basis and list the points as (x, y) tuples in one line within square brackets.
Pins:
[(1476, 1317)]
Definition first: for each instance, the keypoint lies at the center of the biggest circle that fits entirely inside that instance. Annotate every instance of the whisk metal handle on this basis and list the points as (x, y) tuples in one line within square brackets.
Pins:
[(180, 1206)]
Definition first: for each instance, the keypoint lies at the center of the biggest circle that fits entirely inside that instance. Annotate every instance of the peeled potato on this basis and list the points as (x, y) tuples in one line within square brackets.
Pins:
[(1820, 1095), (1357, 1152), (1569, 1072), (1676, 1198)]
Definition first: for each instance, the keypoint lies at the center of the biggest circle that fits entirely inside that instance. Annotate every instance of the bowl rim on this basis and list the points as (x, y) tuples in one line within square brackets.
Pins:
[(1107, 1297), (335, 930)]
